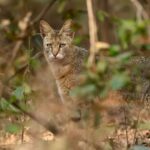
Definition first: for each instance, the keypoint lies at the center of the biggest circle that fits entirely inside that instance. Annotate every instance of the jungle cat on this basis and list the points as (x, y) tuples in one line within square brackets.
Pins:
[(65, 59)]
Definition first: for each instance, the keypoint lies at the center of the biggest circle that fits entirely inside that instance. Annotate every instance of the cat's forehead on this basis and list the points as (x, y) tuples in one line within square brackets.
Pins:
[(53, 34)]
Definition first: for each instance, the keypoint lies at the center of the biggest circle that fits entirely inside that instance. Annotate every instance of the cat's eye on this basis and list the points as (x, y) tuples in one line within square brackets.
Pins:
[(62, 45), (47, 51), (49, 45)]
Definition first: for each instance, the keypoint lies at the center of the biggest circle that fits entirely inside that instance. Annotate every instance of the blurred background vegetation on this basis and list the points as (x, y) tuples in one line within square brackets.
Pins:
[(123, 67)]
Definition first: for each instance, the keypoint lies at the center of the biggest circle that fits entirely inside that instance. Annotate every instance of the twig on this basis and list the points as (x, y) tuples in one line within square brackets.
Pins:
[(23, 67), (50, 126), (92, 31), (136, 126), (22, 133), (126, 128), (27, 23), (47, 125), (139, 113), (43, 12), (23, 24), (141, 13), (15, 50)]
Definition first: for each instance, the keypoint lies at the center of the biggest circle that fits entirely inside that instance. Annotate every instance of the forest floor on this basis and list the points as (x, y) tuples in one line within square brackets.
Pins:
[(46, 104)]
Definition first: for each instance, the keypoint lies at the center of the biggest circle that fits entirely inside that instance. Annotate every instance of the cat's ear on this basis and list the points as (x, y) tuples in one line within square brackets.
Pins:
[(66, 29), (45, 28)]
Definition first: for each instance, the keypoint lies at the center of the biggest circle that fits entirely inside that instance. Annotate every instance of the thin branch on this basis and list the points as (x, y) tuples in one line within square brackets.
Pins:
[(126, 128), (23, 67), (27, 23), (43, 12), (92, 31), (141, 13), (52, 127), (143, 97), (23, 24), (136, 126)]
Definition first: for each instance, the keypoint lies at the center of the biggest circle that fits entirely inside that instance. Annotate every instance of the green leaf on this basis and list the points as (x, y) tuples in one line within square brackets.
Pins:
[(88, 89), (77, 40), (19, 93), (103, 93), (102, 15), (114, 50), (27, 88), (145, 47), (3, 104), (126, 32), (13, 128), (34, 63), (124, 56), (93, 76), (118, 81), (101, 66), (6, 106)]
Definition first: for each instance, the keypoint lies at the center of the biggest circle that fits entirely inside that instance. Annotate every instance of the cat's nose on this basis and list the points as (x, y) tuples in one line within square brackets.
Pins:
[(55, 54)]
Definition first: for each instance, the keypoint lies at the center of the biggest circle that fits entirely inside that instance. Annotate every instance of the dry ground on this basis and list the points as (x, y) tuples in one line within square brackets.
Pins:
[(46, 104)]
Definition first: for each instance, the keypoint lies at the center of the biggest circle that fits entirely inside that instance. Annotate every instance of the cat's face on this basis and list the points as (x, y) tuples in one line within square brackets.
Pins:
[(56, 43)]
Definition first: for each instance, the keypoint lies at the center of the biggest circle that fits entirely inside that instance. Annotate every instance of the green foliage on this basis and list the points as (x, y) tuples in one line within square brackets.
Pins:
[(26, 88), (13, 128), (114, 70), (130, 30), (34, 63), (118, 81), (124, 57), (5, 106), (111, 70), (107, 74), (88, 90), (102, 15), (18, 93), (78, 40), (114, 50)]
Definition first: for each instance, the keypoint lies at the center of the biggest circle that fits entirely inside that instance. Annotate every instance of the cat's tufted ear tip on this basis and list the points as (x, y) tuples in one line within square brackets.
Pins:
[(45, 28), (66, 28), (67, 25)]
